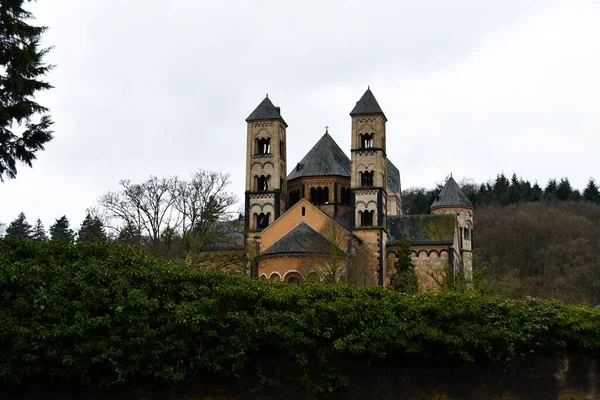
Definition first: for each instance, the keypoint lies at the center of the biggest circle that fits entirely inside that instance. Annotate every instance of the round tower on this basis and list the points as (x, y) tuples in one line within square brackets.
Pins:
[(452, 200)]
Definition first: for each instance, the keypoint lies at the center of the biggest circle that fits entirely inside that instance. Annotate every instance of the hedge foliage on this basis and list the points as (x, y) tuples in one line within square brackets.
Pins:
[(106, 314)]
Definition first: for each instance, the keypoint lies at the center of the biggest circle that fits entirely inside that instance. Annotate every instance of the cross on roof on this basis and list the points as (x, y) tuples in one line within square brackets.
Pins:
[(326, 128)]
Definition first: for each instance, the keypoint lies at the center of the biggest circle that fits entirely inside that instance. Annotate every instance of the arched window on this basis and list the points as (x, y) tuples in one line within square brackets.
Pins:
[(366, 218), (366, 178), (275, 277), (263, 183), (293, 278), (366, 140), (294, 197), (325, 198), (345, 196), (262, 220), (263, 146)]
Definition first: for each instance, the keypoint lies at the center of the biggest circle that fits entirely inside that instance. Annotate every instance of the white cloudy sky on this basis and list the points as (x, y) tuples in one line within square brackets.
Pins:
[(163, 87)]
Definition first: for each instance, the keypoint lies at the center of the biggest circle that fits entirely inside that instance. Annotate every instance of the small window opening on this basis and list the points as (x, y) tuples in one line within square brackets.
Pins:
[(367, 141), (366, 178), (263, 146), (345, 196), (263, 183), (294, 197), (319, 195), (262, 220), (303, 211), (366, 218)]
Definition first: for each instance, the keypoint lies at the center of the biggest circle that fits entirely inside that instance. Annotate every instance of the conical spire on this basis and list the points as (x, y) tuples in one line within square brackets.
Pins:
[(325, 158), (451, 195), (367, 105), (265, 111)]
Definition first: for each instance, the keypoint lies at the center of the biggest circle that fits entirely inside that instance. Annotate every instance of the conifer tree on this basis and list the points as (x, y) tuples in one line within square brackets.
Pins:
[(39, 232), (551, 190), (19, 228), (24, 124), (564, 190), (60, 230), (405, 278), (91, 231), (591, 192), (536, 192)]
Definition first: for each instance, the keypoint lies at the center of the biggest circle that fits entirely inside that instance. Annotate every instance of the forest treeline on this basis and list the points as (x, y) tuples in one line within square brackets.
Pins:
[(530, 240), (502, 192)]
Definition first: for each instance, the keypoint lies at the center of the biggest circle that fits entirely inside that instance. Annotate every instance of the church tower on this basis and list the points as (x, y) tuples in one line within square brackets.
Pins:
[(368, 183), (452, 200), (266, 184)]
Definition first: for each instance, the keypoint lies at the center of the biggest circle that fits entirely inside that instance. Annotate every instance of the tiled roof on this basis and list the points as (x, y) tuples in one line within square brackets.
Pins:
[(451, 195), (393, 177), (325, 158), (367, 105), (427, 229), (265, 111), (301, 239)]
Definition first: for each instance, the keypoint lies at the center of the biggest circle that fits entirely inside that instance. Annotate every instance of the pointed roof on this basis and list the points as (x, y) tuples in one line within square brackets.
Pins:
[(451, 195), (301, 239), (367, 105), (325, 158), (266, 110)]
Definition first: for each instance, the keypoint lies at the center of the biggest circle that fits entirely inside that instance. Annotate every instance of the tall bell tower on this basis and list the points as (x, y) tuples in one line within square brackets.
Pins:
[(266, 184), (368, 183)]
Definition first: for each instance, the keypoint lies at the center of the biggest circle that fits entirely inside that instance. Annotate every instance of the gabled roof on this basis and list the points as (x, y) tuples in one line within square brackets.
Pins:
[(301, 239), (427, 229), (325, 158), (451, 195), (266, 110), (393, 176), (367, 105)]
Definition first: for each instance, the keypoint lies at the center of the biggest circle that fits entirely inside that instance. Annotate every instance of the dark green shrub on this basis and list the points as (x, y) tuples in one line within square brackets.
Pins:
[(105, 314)]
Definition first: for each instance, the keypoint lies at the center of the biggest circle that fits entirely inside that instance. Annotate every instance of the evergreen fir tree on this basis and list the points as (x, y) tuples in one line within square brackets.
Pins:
[(536, 192), (405, 278), (514, 194), (564, 190), (24, 124), (501, 186), (591, 192), (91, 231), (551, 190), (19, 228), (60, 230), (39, 232)]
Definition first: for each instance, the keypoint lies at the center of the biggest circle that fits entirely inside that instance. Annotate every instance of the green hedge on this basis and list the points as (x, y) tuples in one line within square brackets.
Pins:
[(106, 314)]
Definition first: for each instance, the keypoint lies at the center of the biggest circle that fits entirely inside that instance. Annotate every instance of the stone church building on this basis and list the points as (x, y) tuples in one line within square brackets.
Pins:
[(333, 216)]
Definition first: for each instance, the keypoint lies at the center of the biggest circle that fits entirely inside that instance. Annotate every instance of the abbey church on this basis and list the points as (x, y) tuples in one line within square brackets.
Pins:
[(333, 217)]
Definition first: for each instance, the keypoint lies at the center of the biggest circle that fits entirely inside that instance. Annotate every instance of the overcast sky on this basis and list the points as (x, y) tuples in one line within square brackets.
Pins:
[(163, 87)]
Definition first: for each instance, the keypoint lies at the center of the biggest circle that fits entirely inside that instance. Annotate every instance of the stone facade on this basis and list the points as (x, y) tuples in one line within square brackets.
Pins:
[(359, 196)]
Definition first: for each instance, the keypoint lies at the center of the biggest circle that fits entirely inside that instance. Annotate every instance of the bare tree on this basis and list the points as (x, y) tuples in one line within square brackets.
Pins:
[(146, 208), (331, 262), (168, 215), (202, 202)]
